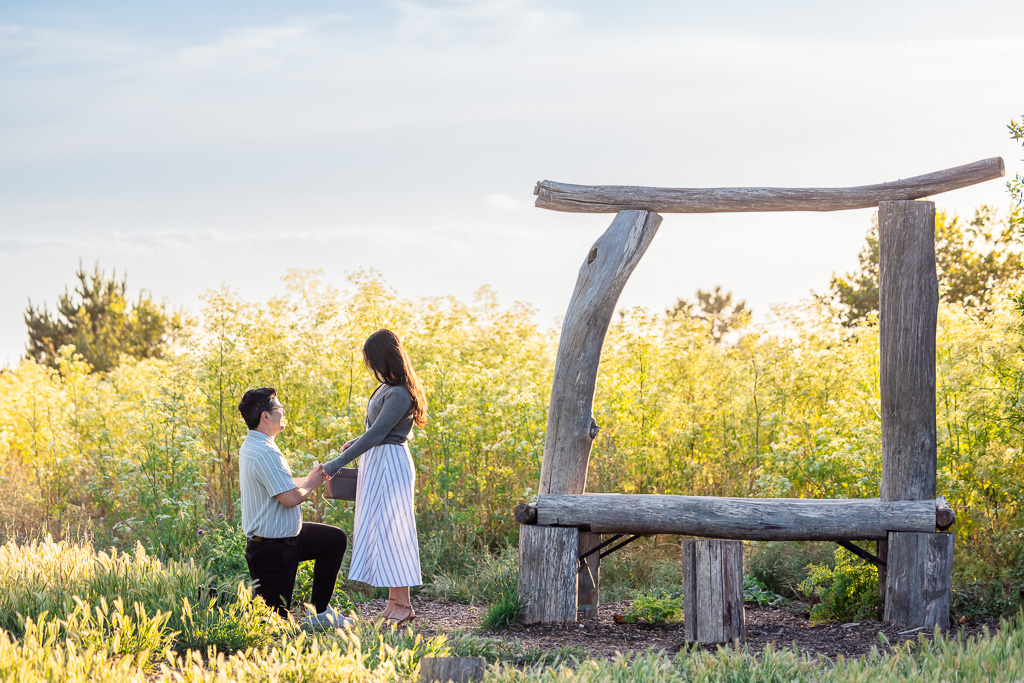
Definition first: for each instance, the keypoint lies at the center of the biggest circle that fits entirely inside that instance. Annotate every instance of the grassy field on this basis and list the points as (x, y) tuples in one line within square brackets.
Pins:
[(71, 612)]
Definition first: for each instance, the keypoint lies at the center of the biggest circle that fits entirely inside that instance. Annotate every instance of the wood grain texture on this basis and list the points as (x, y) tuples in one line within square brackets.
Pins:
[(457, 669), (752, 519), (614, 198), (919, 580), (571, 427), (588, 591), (908, 308), (548, 571), (713, 591)]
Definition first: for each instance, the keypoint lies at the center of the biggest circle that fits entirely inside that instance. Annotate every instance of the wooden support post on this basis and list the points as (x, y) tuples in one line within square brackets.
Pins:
[(713, 591), (919, 580), (588, 593), (908, 307), (455, 669), (548, 570)]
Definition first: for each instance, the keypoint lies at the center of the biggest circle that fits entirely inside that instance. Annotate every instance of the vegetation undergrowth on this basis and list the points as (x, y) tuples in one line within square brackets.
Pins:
[(847, 590)]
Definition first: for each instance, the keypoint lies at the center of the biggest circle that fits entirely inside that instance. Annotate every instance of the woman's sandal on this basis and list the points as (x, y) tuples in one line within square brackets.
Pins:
[(391, 621)]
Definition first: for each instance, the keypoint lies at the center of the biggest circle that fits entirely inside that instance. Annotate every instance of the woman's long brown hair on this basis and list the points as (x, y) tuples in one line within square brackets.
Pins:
[(385, 356)]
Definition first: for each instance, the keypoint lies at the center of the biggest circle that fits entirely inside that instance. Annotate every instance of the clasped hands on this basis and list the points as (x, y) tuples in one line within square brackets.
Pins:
[(317, 475)]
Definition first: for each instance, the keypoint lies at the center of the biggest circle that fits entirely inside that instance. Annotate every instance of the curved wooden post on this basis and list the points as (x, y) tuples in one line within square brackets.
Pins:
[(571, 427), (548, 565)]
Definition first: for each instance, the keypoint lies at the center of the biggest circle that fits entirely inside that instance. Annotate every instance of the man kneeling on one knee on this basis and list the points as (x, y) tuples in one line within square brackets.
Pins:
[(272, 517)]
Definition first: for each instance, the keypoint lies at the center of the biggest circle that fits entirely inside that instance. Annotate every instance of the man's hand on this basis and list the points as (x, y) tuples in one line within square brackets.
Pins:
[(303, 487), (316, 476), (345, 445)]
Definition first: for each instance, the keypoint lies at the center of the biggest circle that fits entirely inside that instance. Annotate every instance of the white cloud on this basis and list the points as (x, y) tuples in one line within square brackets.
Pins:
[(33, 46), (479, 21)]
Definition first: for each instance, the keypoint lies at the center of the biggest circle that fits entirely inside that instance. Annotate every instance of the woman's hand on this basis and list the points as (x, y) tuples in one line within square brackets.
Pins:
[(346, 445)]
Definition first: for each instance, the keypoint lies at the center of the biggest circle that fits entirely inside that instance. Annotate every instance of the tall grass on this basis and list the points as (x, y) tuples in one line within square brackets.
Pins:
[(364, 655), (57, 578), (46, 576)]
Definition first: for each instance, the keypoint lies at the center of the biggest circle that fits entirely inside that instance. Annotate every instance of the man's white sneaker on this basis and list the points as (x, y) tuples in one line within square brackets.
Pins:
[(326, 619)]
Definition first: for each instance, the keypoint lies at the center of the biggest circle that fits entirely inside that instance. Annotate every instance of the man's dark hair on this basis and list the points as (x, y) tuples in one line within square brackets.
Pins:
[(255, 403)]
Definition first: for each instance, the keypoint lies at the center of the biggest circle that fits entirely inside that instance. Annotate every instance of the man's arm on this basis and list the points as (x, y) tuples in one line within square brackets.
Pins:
[(303, 488)]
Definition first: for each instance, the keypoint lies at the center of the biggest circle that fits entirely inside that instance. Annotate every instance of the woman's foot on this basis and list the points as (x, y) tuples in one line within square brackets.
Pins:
[(401, 614), (388, 609)]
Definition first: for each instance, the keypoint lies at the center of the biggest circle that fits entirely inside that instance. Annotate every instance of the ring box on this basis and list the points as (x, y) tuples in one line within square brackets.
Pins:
[(342, 486)]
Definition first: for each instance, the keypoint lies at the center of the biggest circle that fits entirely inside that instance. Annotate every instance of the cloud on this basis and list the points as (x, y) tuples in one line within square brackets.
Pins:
[(31, 46), (479, 21), (251, 48)]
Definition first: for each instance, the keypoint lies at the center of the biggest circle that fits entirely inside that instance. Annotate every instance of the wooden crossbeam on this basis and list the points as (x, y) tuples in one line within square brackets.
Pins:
[(614, 198)]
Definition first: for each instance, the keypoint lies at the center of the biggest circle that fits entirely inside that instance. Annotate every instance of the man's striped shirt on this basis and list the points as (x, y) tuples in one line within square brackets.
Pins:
[(263, 473)]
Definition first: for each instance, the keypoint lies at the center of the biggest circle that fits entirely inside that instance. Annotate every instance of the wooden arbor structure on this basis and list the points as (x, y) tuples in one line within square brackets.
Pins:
[(558, 565)]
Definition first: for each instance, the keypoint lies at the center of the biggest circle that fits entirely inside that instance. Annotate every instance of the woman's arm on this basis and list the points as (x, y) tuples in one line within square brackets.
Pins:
[(396, 405)]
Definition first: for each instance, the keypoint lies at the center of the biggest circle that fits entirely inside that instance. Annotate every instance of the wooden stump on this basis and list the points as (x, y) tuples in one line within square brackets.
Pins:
[(548, 570), (919, 579), (588, 592), (713, 591), (458, 669)]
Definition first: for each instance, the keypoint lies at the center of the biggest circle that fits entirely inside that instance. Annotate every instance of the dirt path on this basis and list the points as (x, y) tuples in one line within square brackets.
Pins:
[(603, 637)]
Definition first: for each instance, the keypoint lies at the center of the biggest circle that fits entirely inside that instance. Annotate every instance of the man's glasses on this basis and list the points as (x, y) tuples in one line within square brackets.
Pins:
[(276, 407)]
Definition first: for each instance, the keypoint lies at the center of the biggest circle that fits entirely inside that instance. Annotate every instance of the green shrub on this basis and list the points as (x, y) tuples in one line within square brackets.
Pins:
[(847, 591), (222, 549), (660, 607), (781, 566), (755, 592), (978, 600)]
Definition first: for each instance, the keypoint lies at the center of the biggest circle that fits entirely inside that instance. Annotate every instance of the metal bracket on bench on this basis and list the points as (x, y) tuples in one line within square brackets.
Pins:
[(607, 543), (863, 554)]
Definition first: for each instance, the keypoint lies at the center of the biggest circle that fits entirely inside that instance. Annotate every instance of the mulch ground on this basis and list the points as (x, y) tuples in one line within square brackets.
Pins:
[(602, 638)]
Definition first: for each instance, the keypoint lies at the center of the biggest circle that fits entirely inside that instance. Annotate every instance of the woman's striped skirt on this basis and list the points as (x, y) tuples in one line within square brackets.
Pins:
[(385, 550)]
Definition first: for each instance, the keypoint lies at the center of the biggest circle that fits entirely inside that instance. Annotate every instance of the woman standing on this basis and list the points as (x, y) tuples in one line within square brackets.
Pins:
[(385, 550)]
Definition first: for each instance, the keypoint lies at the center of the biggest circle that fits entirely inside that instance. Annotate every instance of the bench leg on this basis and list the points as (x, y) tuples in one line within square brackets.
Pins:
[(713, 591)]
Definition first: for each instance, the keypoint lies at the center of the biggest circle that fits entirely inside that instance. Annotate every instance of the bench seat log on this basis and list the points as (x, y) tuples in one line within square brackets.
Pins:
[(748, 519)]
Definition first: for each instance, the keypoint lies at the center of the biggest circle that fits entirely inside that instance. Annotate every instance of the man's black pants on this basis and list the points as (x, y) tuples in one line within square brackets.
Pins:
[(274, 562)]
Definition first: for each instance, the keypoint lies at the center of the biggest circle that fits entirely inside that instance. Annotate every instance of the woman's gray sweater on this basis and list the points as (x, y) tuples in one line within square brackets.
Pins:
[(388, 421)]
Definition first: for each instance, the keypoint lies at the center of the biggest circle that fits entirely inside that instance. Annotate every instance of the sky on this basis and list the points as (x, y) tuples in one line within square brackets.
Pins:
[(195, 144)]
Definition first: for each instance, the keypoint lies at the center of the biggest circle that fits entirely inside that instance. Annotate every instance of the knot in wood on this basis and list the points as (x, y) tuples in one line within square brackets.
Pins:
[(594, 429), (592, 256)]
